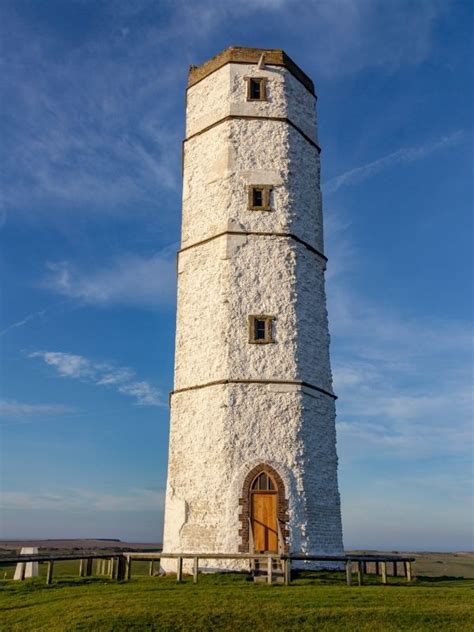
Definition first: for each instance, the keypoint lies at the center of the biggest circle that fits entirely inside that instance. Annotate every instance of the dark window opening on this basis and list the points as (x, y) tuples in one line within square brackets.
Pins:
[(256, 89), (259, 197), (261, 329)]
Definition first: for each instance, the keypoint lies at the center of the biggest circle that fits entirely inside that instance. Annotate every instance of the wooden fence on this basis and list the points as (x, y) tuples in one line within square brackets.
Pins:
[(119, 565)]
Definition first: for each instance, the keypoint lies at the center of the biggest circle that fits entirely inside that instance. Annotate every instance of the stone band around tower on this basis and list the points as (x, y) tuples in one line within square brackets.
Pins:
[(256, 233), (279, 119), (295, 383)]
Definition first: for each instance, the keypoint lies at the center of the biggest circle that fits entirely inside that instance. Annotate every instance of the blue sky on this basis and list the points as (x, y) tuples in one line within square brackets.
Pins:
[(92, 117)]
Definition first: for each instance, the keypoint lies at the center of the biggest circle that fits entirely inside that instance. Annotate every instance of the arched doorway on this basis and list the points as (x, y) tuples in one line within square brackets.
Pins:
[(263, 514)]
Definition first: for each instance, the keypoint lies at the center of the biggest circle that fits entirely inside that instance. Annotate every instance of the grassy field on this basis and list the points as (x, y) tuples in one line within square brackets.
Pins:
[(318, 601)]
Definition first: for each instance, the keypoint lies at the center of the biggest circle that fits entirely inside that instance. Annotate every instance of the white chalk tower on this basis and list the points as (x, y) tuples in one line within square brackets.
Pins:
[(252, 453)]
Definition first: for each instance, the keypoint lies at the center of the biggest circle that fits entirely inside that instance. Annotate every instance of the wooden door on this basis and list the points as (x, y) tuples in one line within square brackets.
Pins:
[(264, 522)]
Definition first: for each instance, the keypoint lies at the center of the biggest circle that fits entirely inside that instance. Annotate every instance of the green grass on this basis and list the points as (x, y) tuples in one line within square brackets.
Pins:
[(68, 568), (318, 601)]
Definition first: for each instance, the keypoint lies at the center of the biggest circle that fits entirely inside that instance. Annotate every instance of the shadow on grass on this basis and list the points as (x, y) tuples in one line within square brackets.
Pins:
[(334, 578), (32, 585), (443, 578), (298, 578)]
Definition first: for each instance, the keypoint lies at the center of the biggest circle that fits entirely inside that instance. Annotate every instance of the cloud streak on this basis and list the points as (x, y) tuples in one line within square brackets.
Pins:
[(135, 280), (81, 500), (401, 156), (23, 321), (12, 408), (122, 379)]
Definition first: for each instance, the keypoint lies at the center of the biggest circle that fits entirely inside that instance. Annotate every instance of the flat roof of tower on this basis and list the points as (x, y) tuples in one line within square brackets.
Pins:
[(244, 55)]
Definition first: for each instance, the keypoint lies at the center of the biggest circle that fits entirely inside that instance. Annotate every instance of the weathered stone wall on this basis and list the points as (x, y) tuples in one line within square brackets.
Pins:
[(220, 432), (225, 93), (231, 428), (220, 285), (222, 162)]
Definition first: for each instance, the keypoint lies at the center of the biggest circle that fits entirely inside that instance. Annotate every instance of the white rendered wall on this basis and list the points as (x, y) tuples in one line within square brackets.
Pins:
[(219, 432), (221, 162), (224, 93), (235, 427)]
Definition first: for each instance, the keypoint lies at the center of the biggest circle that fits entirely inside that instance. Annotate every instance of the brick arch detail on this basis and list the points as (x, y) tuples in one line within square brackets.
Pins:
[(244, 502)]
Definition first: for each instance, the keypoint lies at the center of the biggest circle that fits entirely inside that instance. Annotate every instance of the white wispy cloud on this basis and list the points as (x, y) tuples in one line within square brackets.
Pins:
[(405, 405), (145, 394), (13, 408), (119, 157), (128, 280), (117, 154), (123, 379), (404, 381), (405, 425), (404, 155), (81, 500)]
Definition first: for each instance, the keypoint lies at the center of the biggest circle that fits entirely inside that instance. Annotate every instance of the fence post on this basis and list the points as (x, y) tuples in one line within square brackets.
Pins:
[(349, 572), (128, 567), (384, 572), (81, 568), (287, 571), (408, 571), (119, 569), (195, 570), (395, 570), (377, 570), (360, 572), (179, 570), (49, 572), (122, 568), (270, 569), (151, 568), (88, 569), (22, 570), (111, 568)]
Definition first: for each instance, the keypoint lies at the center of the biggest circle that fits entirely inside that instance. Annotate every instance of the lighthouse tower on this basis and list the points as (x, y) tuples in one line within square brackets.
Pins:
[(252, 453)]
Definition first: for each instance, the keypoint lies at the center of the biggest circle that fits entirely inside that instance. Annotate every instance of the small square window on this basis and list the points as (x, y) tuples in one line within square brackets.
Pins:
[(261, 329), (259, 197), (256, 89)]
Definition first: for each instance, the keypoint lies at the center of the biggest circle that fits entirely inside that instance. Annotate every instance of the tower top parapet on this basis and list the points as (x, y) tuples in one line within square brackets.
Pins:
[(245, 55)]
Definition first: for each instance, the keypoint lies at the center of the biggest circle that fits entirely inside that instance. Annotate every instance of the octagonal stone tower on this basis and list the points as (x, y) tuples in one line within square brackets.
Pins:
[(252, 454)]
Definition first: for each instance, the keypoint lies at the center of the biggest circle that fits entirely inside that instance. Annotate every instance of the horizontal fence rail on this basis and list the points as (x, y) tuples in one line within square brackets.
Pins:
[(118, 565)]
